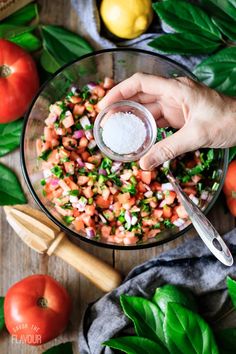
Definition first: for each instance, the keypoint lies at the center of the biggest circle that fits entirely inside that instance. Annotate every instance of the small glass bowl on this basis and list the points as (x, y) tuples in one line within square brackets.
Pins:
[(139, 111)]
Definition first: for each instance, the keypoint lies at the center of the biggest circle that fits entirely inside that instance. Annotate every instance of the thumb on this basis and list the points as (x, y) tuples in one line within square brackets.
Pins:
[(180, 142)]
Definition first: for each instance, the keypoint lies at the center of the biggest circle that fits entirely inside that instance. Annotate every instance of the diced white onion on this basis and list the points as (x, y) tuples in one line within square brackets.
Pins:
[(74, 199), (84, 121), (194, 199), (92, 144), (148, 194), (179, 222), (204, 195), (47, 173), (167, 187)]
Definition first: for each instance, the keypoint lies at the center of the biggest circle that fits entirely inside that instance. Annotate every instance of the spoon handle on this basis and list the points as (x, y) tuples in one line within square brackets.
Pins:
[(205, 229)]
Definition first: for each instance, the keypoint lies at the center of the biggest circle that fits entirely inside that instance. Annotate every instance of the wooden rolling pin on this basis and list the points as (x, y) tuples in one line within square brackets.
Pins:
[(43, 236)]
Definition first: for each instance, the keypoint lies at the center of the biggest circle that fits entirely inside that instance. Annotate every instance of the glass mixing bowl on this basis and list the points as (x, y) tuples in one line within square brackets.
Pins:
[(118, 64)]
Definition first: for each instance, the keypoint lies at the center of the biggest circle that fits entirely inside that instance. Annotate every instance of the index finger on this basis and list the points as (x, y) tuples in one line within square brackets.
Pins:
[(150, 84)]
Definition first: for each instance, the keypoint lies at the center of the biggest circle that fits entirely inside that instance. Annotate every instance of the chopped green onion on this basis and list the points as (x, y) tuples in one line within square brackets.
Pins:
[(88, 127), (168, 224), (44, 193), (133, 180), (157, 225), (57, 171), (90, 201), (68, 219), (42, 182), (44, 155), (215, 186), (67, 206), (74, 192)]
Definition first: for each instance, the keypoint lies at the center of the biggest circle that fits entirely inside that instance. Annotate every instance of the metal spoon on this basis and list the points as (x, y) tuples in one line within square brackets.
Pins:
[(204, 228)]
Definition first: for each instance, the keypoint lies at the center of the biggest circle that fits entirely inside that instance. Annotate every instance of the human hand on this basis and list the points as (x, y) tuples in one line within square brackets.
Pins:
[(204, 117)]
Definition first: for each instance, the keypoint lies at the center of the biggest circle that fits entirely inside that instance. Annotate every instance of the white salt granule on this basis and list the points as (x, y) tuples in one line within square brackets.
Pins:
[(123, 133)]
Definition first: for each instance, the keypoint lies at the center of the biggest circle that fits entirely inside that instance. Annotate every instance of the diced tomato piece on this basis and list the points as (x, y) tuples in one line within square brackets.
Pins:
[(156, 186), (63, 153), (105, 231), (108, 215), (68, 121), (73, 156), (128, 205), (130, 240), (190, 164), (78, 224), (153, 233), (99, 91), (88, 193), (69, 143), (54, 142), (167, 212), (154, 174), (49, 134), (196, 178), (181, 212), (96, 160), (83, 142), (90, 210), (141, 188), (46, 146), (146, 177), (71, 183), (75, 99), (123, 198), (82, 180), (101, 202), (189, 190), (87, 219), (70, 167), (169, 197), (174, 217), (85, 155)]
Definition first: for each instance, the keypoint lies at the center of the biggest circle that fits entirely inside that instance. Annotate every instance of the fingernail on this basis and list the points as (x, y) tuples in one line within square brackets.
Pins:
[(147, 163)]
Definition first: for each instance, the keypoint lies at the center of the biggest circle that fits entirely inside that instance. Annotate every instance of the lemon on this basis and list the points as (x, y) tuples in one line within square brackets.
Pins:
[(126, 18)]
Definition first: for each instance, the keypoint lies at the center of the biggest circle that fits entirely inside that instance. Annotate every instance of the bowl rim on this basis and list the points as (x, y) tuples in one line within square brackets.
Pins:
[(72, 234)]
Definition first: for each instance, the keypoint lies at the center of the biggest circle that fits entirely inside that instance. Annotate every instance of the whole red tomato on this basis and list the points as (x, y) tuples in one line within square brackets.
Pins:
[(19, 81), (36, 309), (230, 187)]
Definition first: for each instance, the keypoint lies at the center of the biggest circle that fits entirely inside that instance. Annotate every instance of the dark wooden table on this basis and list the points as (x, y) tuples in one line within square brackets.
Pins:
[(18, 261)]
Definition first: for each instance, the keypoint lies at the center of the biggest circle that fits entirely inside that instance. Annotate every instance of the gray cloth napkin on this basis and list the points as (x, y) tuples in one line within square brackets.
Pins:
[(89, 26), (190, 265)]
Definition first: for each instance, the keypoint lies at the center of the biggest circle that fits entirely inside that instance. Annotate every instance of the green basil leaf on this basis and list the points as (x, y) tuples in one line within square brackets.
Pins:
[(186, 17), (11, 192), (63, 348), (227, 28), (187, 333), (135, 345), (2, 322), (64, 45), (9, 31), (232, 153), (184, 43), (211, 8), (48, 62), (23, 16), (10, 136), (171, 293), (226, 6), (27, 41), (146, 316), (231, 285), (218, 71), (226, 340)]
